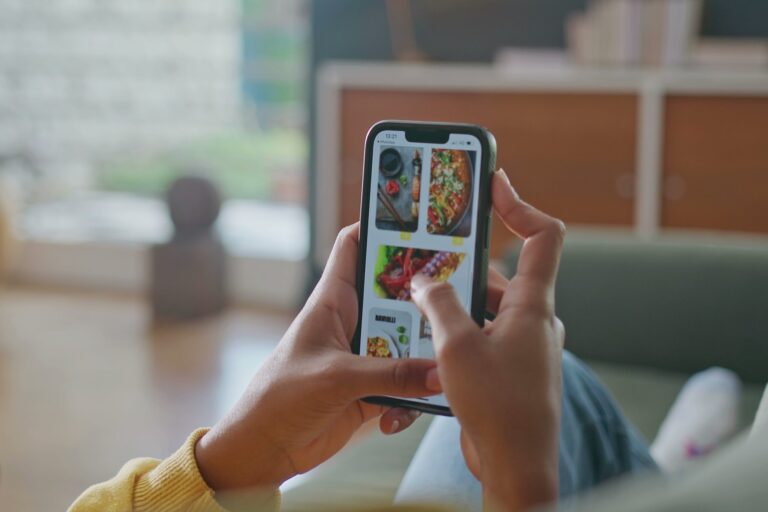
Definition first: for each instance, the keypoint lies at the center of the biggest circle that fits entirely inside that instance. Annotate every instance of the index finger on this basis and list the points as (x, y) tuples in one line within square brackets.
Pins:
[(543, 235)]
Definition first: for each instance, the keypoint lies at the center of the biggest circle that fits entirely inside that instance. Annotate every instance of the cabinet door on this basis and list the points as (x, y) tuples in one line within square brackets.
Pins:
[(570, 154), (715, 163)]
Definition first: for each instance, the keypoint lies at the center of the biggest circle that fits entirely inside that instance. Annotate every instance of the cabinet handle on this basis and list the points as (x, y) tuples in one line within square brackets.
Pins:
[(674, 187)]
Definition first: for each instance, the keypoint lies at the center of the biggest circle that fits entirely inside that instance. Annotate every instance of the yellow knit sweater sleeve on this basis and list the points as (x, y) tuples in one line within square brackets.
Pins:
[(174, 484)]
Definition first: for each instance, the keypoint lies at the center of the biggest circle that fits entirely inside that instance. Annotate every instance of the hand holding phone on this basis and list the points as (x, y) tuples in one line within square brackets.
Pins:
[(503, 380), (303, 404), (425, 211)]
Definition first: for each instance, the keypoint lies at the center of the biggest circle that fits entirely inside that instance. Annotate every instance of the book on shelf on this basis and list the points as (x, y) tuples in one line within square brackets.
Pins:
[(683, 20), (650, 33), (730, 53)]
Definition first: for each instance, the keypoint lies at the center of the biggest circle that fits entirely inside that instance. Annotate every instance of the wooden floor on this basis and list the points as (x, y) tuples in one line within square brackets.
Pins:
[(87, 383)]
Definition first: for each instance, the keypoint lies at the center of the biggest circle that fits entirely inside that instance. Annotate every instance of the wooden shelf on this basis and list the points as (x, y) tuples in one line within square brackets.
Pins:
[(628, 148)]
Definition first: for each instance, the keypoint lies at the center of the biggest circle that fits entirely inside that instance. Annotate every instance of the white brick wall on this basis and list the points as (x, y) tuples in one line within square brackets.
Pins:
[(84, 80)]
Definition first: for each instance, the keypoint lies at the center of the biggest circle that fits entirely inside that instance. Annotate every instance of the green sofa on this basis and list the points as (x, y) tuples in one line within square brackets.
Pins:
[(644, 314)]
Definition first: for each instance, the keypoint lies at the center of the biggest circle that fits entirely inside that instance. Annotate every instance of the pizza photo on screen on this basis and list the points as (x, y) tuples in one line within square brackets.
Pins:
[(450, 192)]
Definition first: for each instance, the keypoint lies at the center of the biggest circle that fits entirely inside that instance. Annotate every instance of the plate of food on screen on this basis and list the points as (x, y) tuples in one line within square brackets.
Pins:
[(380, 344), (395, 266), (450, 192)]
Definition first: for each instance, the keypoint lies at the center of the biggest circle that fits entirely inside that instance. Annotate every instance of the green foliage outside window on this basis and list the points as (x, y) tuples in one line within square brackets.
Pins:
[(244, 166)]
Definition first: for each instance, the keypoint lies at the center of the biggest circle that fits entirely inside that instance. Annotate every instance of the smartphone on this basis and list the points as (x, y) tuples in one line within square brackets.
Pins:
[(426, 203)]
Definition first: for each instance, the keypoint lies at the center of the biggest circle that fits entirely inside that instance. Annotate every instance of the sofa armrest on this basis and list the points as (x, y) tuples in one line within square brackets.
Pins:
[(679, 303)]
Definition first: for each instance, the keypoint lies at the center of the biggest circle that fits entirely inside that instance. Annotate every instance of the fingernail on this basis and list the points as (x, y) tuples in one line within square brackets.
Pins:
[(395, 426), (503, 175), (419, 281), (432, 382), (414, 414)]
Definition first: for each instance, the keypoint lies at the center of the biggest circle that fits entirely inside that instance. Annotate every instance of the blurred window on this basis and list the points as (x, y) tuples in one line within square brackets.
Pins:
[(103, 103)]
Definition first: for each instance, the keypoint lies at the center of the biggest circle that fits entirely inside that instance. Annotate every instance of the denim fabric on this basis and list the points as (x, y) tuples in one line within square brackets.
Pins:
[(597, 443)]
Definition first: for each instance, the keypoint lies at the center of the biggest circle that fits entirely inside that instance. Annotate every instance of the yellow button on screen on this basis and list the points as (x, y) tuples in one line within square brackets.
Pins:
[(405, 236), (457, 240)]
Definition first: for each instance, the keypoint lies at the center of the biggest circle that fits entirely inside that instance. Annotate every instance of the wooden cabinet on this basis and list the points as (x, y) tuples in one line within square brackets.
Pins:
[(566, 153), (640, 150), (715, 163)]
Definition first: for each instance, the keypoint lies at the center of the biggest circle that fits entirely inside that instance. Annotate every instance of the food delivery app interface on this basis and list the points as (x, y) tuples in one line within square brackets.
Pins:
[(421, 219)]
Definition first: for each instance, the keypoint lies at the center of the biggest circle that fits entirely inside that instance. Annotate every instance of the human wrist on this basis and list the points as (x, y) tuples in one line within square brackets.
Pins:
[(227, 463), (519, 489), (519, 475)]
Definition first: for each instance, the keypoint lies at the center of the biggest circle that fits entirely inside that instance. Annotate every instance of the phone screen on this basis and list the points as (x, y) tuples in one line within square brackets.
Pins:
[(422, 218)]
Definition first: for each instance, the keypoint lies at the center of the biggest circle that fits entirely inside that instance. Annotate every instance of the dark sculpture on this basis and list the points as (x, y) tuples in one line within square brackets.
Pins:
[(189, 271)]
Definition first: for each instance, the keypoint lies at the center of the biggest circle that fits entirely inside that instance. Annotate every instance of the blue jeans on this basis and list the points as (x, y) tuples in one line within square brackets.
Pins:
[(596, 443)]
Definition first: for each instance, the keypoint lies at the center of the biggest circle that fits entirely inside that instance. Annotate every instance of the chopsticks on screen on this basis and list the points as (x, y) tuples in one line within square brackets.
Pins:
[(390, 207)]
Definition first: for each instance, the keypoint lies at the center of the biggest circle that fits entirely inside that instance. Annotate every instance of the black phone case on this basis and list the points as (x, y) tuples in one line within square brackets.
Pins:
[(424, 131)]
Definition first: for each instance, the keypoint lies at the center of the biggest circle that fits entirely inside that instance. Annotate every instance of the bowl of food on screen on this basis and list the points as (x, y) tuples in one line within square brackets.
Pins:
[(450, 191), (390, 162), (380, 344), (403, 339), (396, 266)]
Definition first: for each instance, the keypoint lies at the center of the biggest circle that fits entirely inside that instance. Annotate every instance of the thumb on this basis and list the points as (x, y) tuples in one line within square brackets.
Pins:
[(409, 378), (448, 318)]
